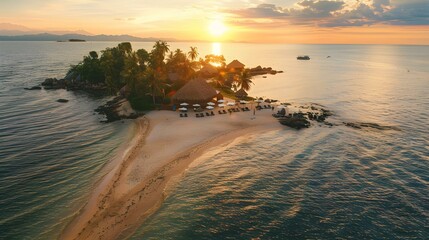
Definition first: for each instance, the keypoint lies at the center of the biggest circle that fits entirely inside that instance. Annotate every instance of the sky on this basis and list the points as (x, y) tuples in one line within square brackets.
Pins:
[(265, 21)]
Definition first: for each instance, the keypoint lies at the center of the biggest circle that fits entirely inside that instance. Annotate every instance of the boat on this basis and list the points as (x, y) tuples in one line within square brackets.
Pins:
[(303, 58)]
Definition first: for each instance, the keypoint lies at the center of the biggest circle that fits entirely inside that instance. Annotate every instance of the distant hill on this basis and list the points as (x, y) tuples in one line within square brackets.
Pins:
[(10, 29), (66, 37)]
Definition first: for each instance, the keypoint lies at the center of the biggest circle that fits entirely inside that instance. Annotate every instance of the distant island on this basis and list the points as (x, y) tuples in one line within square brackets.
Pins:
[(73, 40), (93, 38)]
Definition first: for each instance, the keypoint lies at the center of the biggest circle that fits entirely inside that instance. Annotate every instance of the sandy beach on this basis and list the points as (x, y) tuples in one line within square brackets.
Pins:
[(163, 146)]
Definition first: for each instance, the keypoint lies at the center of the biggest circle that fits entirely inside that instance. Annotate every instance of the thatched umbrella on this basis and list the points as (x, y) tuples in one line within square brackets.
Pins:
[(241, 94)]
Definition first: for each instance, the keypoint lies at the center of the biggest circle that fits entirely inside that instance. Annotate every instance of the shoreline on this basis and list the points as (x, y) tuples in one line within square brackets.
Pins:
[(135, 187)]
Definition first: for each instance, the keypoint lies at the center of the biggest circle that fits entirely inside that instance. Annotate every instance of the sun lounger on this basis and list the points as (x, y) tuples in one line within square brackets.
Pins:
[(186, 115), (224, 112), (212, 113), (207, 114)]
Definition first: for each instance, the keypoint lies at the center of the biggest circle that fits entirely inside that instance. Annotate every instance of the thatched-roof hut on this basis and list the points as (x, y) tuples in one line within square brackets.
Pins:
[(208, 70), (241, 94), (235, 65), (195, 91)]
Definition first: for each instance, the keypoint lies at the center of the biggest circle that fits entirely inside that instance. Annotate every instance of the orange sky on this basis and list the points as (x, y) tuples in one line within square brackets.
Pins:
[(278, 21)]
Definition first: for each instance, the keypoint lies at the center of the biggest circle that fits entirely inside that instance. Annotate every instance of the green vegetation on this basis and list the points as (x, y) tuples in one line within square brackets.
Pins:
[(150, 78)]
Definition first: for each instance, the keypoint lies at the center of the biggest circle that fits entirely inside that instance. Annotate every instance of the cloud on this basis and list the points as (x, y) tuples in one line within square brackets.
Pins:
[(263, 11), (337, 13)]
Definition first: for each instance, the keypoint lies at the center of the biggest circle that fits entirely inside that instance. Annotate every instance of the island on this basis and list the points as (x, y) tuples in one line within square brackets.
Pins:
[(72, 40), (183, 107)]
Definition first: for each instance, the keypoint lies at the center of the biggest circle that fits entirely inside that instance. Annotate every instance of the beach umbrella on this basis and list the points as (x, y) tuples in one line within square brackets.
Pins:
[(210, 107), (184, 104), (196, 105), (221, 105), (183, 109), (210, 104), (259, 101), (230, 103), (221, 101), (243, 101)]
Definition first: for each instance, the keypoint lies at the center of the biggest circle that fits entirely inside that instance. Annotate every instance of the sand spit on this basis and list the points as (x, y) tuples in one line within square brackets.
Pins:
[(163, 147)]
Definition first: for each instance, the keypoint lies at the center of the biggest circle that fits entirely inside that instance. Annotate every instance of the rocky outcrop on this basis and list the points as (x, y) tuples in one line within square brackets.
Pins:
[(117, 109), (73, 85), (360, 125), (34, 88), (262, 71), (297, 121), (53, 83)]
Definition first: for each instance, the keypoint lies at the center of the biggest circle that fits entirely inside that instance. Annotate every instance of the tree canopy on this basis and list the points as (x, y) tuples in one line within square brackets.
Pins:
[(149, 75)]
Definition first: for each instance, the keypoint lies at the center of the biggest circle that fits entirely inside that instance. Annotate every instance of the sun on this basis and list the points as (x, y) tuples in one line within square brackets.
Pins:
[(217, 28)]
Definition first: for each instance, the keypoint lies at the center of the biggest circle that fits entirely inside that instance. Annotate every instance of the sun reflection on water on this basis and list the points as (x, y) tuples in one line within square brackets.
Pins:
[(216, 49)]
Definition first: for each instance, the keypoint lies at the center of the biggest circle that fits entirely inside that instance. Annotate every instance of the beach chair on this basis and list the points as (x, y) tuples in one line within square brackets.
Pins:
[(212, 113), (224, 112), (201, 114), (197, 115), (207, 114), (186, 115), (181, 115)]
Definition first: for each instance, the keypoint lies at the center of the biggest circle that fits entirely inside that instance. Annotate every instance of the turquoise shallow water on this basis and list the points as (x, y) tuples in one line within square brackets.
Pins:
[(319, 183)]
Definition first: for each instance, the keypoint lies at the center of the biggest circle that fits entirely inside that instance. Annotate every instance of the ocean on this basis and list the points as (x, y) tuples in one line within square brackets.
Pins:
[(318, 183)]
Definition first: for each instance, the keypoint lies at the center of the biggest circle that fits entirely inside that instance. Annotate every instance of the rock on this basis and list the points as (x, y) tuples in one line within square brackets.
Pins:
[(34, 88), (62, 100), (49, 81), (360, 125), (110, 110), (297, 121), (329, 124)]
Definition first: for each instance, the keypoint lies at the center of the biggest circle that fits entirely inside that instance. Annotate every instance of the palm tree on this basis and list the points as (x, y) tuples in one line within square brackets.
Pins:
[(245, 80), (193, 53), (155, 80), (125, 47), (143, 58), (158, 52)]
